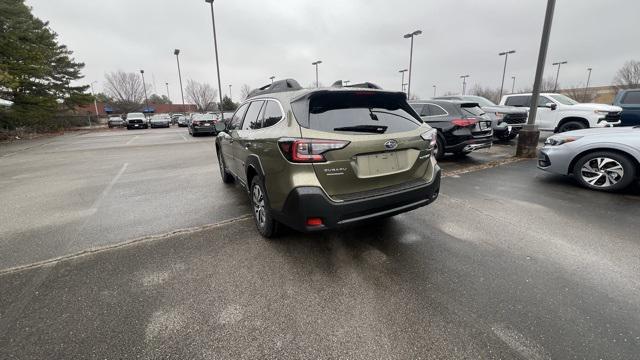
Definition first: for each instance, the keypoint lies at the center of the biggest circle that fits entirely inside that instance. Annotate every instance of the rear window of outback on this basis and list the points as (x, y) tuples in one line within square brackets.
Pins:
[(362, 112)]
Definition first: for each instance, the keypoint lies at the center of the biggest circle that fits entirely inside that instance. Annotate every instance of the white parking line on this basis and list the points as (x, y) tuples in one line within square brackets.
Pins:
[(131, 140), (105, 192), (185, 139)]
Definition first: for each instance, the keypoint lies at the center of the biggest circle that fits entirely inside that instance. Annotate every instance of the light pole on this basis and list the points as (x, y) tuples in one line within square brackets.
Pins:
[(529, 135), (434, 90), (167, 85), (407, 36), (230, 92), (402, 83), (215, 45), (146, 99), (513, 86), (559, 63), (316, 63), (176, 52), (95, 102), (464, 83), (504, 70), (586, 88), (272, 77)]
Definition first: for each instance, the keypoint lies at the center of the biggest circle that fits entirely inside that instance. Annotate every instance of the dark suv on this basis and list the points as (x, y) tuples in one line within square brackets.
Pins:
[(314, 159), (462, 126)]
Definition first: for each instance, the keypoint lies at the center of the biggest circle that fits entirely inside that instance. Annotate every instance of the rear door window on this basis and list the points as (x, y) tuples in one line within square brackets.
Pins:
[(418, 108), (632, 97), (436, 110), (518, 101), (364, 112), (272, 113), (252, 121)]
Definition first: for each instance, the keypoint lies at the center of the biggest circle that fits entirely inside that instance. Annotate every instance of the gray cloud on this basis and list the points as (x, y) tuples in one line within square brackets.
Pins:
[(357, 40)]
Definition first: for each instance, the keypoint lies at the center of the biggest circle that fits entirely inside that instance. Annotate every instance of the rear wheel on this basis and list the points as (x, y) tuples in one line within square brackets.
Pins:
[(571, 125), (265, 223), (604, 170)]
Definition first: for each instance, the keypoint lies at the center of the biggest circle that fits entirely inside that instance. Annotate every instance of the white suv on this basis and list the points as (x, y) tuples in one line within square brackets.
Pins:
[(560, 113)]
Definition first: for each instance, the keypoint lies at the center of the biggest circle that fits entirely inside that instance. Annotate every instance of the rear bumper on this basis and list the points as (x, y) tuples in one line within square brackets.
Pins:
[(203, 129), (311, 202), (471, 145)]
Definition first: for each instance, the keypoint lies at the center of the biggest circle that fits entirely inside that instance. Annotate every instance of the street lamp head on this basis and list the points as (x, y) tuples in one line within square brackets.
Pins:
[(589, 69), (272, 77), (464, 76), (417, 32), (559, 63), (209, 1), (403, 70), (176, 52), (141, 71), (316, 62), (507, 52)]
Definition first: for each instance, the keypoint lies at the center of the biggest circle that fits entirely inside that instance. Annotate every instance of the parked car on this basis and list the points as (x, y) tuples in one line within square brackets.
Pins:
[(136, 120), (315, 159), (203, 124), (560, 113), (160, 120), (506, 121), (183, 121), (462, 126), (601, 159), (629, 101), (115, 121)]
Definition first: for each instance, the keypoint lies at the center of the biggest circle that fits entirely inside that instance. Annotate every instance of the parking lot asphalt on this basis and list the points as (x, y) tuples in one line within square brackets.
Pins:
[(509, 262), (82, 191)]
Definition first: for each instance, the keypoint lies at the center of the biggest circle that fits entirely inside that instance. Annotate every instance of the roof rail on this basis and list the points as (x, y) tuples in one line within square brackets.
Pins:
[(276, 87), (366, 85)]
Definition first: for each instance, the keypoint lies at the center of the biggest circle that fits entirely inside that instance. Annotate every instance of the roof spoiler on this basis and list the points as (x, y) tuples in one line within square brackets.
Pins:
[(276, 87), (365, 85)]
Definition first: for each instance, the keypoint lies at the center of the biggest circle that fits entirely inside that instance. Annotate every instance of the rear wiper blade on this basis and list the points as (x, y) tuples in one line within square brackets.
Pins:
[(378, 129)]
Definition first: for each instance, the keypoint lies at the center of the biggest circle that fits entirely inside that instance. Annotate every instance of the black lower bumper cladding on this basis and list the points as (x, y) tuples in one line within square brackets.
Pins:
[(311, 202)]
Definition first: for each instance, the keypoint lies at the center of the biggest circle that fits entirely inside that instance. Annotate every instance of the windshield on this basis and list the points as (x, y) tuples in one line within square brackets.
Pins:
[(204, 117), (480, 100), (137, 114), (564, 100)]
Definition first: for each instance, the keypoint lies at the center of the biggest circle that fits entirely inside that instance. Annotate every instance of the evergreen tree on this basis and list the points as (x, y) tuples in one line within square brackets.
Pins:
[(35, 71)]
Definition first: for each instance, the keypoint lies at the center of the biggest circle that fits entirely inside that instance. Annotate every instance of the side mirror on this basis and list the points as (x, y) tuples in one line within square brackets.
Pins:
[(552, 106)]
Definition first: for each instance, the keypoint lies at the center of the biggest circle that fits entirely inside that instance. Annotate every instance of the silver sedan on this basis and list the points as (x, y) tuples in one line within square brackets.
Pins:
[(605, 159)]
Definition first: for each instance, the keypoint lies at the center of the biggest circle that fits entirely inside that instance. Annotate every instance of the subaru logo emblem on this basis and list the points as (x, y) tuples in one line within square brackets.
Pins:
[(390, 144)]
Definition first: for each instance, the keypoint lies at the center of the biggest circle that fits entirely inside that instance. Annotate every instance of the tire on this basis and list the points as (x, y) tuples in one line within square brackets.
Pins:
[(439, 149), (266, 225), (605, 171), (461, 154), (128, 127), (226, 177), (571, 125)]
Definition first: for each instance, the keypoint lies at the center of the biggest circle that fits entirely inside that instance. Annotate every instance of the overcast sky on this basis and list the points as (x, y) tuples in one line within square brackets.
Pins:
[(357, 40)]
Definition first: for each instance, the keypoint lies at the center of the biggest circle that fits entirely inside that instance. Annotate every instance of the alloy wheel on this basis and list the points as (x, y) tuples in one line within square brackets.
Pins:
[(258, 205), (602, 172)]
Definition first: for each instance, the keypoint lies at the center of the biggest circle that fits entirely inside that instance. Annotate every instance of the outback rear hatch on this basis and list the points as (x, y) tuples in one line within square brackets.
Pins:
[(374, 139)]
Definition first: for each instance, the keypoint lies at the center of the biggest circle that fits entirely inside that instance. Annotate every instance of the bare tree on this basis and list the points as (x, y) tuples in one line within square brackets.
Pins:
[(580, 94), (486, 92), (202, 95), (628, 75), (126, 90), (547, 85), (245, 90)]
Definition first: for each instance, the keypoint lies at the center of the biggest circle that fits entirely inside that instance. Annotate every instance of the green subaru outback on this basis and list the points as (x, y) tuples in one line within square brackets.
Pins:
[(314, 159)]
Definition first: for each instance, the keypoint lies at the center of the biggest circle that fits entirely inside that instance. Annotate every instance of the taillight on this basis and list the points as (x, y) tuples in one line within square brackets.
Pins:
[(464, 122), (308, 150), (431, 136)]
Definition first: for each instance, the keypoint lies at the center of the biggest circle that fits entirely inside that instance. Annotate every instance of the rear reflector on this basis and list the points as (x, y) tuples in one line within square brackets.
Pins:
[(314, 221)]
